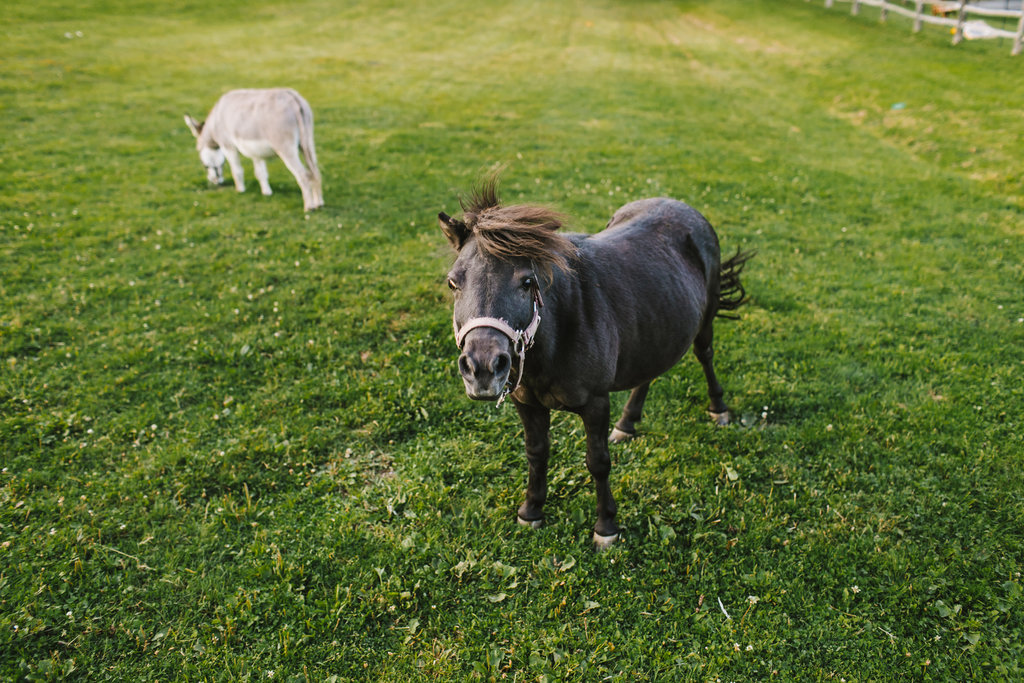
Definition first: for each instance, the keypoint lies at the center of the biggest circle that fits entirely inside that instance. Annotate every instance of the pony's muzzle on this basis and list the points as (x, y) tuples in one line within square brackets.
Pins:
[(485, 364)]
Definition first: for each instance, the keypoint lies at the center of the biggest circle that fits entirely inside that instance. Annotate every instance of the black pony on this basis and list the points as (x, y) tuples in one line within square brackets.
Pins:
[(558, 321)]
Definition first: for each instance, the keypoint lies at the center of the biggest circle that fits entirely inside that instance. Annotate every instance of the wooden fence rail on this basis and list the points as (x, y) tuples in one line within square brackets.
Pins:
[(962, 27)]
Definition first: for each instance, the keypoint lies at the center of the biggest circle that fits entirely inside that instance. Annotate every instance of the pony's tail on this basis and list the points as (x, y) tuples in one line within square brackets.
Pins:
[(731, 293)]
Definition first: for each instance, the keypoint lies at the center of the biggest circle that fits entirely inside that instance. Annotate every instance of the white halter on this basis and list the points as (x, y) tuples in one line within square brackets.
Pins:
[(521, 340)]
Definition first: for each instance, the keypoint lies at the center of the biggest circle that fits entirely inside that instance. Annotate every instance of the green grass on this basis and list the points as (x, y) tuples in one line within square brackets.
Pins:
[(234, 443)]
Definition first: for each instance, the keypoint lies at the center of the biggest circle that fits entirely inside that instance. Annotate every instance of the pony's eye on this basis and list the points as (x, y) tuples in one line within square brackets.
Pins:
[(451, 284), (528, 283)]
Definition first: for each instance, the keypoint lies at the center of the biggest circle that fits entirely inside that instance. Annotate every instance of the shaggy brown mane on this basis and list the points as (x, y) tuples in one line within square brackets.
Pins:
[(520, 231)]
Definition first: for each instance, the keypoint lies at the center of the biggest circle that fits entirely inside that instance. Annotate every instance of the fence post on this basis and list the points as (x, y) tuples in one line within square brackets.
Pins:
[(1020, 35), (961, 16), (855, 8), (919, 5), (884, 12)]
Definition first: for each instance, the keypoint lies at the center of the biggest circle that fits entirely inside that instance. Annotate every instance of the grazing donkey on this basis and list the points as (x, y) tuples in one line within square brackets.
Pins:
[(260, 124), (557, 321)]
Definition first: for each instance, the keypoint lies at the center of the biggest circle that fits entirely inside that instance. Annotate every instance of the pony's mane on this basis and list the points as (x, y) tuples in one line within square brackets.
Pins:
[(523, 231)]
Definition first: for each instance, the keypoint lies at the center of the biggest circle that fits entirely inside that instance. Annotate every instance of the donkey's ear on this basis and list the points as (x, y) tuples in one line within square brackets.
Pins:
[(454, 229), (193, 125)]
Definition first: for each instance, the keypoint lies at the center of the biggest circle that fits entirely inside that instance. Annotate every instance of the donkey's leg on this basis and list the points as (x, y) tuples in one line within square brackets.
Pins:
[(290, 157), (536, 424), (316, 186), (237, 173), (599, 463), (625, 428), (259, 167), (703, 349), (318, 191)]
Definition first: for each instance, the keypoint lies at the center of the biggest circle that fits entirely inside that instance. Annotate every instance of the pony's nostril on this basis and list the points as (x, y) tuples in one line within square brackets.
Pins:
[(466, 366), (501, 364)]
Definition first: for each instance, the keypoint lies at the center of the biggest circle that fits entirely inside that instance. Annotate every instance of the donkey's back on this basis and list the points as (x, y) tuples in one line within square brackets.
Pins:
[(254, 116)]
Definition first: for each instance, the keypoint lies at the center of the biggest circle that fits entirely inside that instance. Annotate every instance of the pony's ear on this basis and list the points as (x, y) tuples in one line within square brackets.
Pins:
[(193, 125), (454, 229)]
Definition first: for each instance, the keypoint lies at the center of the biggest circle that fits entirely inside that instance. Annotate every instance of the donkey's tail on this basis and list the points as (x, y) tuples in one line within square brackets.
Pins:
[(731, 294), (306, 135), (306, 141)]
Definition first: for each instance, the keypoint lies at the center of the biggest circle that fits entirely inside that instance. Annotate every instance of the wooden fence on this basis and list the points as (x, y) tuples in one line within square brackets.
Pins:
[(937, 14)]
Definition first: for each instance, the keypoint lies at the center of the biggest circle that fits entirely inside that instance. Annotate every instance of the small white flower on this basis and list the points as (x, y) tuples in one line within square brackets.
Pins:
[(749, 648), (854, 589), (753, 599)]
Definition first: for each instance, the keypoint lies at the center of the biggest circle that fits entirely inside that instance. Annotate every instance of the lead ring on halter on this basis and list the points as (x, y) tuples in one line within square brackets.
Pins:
[(521, 340)]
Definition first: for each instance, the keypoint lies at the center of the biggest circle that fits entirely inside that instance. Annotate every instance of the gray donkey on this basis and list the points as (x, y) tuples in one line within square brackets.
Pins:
[(558, 321), (259, 124)]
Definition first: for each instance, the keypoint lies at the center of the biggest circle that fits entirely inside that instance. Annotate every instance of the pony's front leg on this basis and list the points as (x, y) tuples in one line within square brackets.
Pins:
[(237, 172), (599, 464), (536, 424)]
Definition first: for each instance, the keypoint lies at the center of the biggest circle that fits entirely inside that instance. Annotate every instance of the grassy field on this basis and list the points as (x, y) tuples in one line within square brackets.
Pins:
[(233, 439)]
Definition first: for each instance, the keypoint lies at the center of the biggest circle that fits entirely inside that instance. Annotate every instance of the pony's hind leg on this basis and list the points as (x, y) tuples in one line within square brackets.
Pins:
[(625, 428), (704, 350)]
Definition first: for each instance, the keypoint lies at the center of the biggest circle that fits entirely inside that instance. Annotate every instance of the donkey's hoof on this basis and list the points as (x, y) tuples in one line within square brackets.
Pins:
[(619, 436), (604, 542), (721, 419), (533, 524)]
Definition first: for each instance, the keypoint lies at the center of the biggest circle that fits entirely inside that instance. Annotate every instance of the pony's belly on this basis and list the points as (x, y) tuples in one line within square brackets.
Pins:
[(633, 374), (654, 350), (255, 149)]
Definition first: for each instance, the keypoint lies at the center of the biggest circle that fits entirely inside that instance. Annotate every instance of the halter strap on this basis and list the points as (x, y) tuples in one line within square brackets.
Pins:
[(521, 340)]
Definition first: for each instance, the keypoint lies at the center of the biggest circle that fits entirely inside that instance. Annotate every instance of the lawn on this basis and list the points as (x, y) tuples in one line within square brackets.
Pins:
[(234, 444)]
